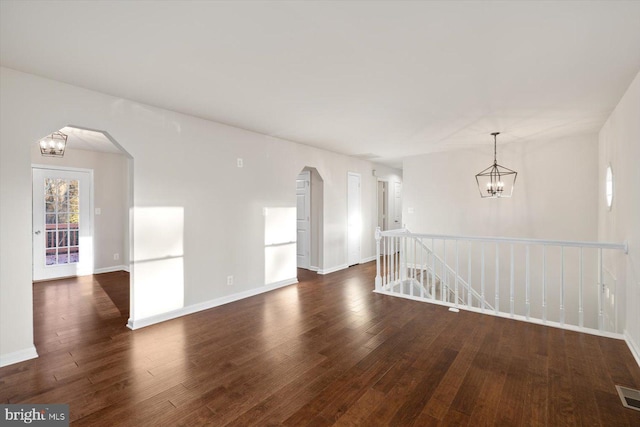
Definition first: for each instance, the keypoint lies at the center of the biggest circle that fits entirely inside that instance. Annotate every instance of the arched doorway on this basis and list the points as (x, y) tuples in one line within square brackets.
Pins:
[(58, 235)]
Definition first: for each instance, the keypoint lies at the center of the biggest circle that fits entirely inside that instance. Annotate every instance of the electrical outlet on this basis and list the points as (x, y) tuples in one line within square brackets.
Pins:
[(229, 280), (240, 162), (116, 257)]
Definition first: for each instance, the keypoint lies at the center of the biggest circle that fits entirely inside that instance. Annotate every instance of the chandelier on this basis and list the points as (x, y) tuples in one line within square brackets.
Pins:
[(496, 180), (53, 145)]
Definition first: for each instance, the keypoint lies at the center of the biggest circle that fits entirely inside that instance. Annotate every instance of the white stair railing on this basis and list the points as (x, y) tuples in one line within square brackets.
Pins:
[(559, 283)]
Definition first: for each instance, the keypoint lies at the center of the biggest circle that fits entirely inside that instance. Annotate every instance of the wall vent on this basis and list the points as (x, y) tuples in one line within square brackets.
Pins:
[(630, 397)]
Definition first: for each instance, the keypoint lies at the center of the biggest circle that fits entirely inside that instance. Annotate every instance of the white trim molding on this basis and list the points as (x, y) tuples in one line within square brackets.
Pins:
[(18, 356), (333, 269), (368, 259), (111, 269), (633, 346), (152, 320)]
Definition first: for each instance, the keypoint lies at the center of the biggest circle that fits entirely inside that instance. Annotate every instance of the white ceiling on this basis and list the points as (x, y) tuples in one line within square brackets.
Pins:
[(381, 80)]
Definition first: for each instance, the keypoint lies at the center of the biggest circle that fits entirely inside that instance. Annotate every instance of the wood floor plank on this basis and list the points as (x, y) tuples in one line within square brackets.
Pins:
[(327, 351)]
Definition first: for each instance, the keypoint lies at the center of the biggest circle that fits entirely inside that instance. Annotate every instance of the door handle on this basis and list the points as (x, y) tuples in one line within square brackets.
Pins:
[(37, 232)]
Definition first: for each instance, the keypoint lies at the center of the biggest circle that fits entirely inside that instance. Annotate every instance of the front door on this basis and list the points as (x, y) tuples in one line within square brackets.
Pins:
[(62, 231)]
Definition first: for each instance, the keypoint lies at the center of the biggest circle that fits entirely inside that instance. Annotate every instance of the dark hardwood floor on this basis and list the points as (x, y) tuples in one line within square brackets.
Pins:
[(327, 351)]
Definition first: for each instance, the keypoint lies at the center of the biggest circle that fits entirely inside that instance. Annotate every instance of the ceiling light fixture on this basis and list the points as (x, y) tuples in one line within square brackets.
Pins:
[(53, 145), (496, 180)]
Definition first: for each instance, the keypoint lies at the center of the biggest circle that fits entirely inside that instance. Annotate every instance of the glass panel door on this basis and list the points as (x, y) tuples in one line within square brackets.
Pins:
[(62, 223)]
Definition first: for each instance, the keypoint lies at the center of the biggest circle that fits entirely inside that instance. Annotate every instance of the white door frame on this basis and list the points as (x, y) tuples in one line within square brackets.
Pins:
[(90, 265)]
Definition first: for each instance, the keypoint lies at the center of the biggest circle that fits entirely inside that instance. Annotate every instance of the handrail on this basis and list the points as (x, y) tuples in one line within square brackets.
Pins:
[(569, 243)]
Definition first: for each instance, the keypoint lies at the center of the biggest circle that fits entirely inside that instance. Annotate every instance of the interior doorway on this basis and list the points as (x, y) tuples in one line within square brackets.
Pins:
[(73, 249), (383, 205), (309, 219)]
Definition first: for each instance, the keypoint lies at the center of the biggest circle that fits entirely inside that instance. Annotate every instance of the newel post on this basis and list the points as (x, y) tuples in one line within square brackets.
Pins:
[(378, 277)]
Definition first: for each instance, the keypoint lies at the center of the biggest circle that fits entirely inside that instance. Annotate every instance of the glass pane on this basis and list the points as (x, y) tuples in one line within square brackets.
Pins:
[(63, 238), (63, 205), (63, 219), (74, 219), (61, 185), (73, 238), (49, 185), (63, 256), (51, 239), (51, 207), (50, 218), (73, 191), (50, 257), (73, 206), (74, 254)]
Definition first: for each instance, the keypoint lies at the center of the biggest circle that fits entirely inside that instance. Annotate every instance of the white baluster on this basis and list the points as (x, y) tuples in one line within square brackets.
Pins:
[(562, 285), (512, 286), (600, 288), (497, 298), (457, 274), (482, 276), (385, 263), (469, 298), (528, 286), (378, 281), (393, 262), (580, 285), (421, 269), (544, 284), (433, 270), (413, 273), (444, 277)]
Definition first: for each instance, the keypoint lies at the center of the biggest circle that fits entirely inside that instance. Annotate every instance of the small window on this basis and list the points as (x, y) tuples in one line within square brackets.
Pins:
[(609, 187)]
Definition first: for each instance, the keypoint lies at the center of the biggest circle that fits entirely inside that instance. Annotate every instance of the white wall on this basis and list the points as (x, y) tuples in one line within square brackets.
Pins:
[(197, 218), (554, 196), (619, 143), (111, 227)]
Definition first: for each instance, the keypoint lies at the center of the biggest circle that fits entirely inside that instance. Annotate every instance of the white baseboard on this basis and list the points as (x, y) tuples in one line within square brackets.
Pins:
[(369, 259), (333, 269), (18, 356), (633, 346), (152, 320), (111, 269), (314, 268)]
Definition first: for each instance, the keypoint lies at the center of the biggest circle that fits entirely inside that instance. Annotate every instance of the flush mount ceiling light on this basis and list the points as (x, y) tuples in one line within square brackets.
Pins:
[(53, 145), (496, 180)]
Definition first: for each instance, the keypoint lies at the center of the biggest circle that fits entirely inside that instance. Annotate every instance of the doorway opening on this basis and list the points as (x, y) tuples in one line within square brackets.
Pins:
[(383, 205), (81, 208), (309, 219)]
